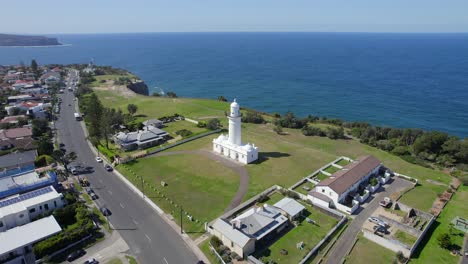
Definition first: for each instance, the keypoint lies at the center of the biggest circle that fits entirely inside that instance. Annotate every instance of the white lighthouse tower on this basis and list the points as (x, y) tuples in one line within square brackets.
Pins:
[(231, 146)]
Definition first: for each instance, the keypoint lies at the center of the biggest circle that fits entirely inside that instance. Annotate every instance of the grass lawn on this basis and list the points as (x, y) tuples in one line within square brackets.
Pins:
[(343, 162), (308, 233), (429, 250), (201, 186), (321, 176), (107, 77), (173, 127), (204, 246), (366, 251), (115, 261), (332, 169), (404, 237), (305, 184), (423, 196), (131, 259)]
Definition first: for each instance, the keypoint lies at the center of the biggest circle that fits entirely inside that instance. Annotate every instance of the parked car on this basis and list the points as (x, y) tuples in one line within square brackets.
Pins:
[(99, 159), (377, 221), (105, 211), (93, 196), (75, 254), (386, 202), (380, 229), (91, 261), (89, 190), (108, 167)]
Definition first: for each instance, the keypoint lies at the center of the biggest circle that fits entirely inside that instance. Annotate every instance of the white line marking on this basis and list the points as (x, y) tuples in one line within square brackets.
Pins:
[(109, 192), (121, 205), (165, 260), (135, 222), (149, 239)]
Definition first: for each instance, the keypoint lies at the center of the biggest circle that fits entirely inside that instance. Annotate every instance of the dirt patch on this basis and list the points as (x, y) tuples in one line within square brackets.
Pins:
[(120, 89)]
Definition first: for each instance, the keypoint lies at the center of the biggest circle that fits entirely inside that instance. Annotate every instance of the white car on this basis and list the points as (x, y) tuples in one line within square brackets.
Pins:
[(99, 159)]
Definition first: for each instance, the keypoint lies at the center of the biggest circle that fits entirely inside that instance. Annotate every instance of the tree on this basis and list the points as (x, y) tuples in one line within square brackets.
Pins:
[(132, 109), (34, 67), (444, 240), (93, 109), (253, 117), (64, 158), (39, 127), (44, 145), (213, 124), (222, 98), (278, 129), (171, 94)]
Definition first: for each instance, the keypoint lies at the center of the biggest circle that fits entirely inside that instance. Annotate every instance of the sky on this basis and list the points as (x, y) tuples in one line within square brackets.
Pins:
[(119, 16)]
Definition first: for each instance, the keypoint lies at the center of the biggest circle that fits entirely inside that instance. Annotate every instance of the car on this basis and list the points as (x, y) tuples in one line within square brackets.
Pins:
[(91, 261), (377, 221), (75, 254), (105, 211), (380, 229), (89, 190), (99, 159), (93, 196), (108, 167)]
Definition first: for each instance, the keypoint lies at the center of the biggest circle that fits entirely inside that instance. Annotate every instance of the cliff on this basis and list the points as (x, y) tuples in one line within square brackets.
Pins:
[(139, 87), (21, 40)]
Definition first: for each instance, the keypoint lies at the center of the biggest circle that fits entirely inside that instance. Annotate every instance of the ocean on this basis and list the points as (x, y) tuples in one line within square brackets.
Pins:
[(398, 80)]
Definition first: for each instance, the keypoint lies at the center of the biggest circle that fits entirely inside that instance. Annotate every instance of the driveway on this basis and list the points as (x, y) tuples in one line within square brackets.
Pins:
[(347, 238), (112, 247)]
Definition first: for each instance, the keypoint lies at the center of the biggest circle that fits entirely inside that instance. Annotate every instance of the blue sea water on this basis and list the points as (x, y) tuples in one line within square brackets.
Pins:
[(401, 80)]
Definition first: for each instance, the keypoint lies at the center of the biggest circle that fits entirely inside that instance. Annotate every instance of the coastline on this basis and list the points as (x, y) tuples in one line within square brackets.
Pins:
[(41, 46)]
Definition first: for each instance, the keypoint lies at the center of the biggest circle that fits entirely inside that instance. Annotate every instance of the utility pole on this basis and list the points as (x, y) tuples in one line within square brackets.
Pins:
[(181, 223)]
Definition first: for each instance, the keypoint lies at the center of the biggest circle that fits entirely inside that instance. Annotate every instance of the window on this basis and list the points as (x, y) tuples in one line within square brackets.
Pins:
[(232, 244), (21, 215), (323, 190), (46, 206), (1, 224), (40, 207), (55, 203), (32, 210)]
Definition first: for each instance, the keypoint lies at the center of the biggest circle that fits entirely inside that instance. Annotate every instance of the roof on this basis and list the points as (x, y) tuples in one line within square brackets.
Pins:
[(343, 179), (16, 133), (231, 233), (149, 133), (320, 196), (11, 119), (27, 234), (152, 122), (19, 143), (290, 206), (20, 202), (259, 221), (16, 158)]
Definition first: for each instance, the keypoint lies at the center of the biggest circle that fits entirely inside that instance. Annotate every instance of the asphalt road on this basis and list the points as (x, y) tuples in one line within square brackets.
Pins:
[(150, 239), (345, 242)]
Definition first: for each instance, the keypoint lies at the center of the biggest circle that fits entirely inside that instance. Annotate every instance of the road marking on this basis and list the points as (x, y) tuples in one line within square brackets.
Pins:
[(149, 239), (165, 260), (121, 205), (135, 222), (109, 192)]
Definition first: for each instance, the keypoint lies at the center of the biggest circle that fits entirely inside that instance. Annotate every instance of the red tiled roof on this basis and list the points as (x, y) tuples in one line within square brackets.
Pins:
[(343, 179), (320, 196), (9, 119), (16, 133), (29, 104)]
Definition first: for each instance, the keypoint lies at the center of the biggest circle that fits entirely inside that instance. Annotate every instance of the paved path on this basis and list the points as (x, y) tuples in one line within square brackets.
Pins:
[(238, 168), (112, 247), (145, 231), (346, 240)]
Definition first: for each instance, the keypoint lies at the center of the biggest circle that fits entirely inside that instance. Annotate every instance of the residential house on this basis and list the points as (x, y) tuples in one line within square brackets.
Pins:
[(17, 162), (141, 139), (257, 225), (338, 189), (12, 119), (11, 184), (15, 133), (154, 122)]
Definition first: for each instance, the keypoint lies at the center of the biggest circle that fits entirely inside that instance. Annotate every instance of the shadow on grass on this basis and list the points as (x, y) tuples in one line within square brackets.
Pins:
[(264, 156), (426, 238), (140, 115)]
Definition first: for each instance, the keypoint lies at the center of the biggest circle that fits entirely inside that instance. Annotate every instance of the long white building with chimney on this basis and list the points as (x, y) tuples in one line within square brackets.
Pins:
[(231, 146)]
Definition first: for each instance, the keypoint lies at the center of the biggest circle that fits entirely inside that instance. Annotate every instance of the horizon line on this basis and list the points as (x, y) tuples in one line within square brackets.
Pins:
[(240, 31)]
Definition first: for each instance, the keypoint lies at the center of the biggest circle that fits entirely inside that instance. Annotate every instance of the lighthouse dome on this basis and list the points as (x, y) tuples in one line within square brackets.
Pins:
[(234, 104)]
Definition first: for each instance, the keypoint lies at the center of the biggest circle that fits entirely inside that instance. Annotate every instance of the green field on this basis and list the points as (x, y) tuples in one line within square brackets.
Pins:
[(343, 162), (332, 169), (429, 250), (204, 246), (107, 77), (201, 186), (173, 127), (405, 237), (366, 251), (422, 196), (305, 232), (305, 184)]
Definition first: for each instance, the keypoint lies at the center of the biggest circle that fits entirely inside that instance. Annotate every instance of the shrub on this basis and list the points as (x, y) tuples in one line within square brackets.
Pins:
[(253, 117), (373, 181), (215, 242), (444, 240), (464, 180), (262, 198), (184, 132), (312, 131), (400, 257), (201, 124), (213, 124), (278, 129), (43, 160)]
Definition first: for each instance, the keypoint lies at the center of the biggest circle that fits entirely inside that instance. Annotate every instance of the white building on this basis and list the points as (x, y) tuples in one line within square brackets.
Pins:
[(20, 209), (231, 146), (338, 190)]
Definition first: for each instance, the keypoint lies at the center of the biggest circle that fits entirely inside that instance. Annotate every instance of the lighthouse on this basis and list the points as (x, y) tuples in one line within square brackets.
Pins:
[(235, 124), (231, 146)]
